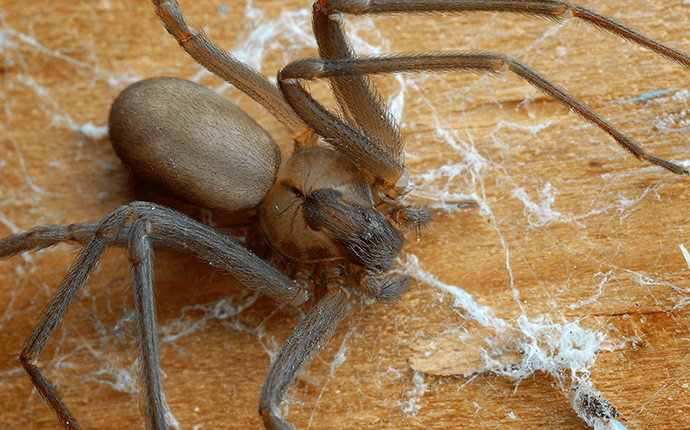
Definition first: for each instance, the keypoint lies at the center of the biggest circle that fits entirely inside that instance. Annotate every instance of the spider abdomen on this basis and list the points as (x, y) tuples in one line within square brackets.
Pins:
[(195, 143)]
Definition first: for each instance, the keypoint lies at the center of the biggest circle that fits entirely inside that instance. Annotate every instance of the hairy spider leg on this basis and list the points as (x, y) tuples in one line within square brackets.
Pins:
[(138, 226)]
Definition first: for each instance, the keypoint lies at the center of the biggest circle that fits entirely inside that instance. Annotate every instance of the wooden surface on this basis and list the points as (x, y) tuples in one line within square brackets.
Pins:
[(572, 230)]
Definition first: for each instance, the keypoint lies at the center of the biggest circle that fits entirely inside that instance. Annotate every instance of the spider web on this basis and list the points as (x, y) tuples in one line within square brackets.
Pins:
[(560, 285)]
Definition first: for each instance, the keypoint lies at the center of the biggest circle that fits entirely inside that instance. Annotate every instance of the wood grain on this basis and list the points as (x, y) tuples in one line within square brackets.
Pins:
[(571, 227)]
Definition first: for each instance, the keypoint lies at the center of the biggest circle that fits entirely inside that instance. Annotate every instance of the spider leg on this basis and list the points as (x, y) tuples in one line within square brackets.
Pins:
[(357, 97), (346, 137), (351, 141), (78, 234), (551, 9), (222, 64), (140, 255), (170, 231), (307, 339), (55, 312), (47, 236), (138, 226), (373, 128)]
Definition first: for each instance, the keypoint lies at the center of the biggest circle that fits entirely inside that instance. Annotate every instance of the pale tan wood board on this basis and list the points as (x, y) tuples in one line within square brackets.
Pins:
[(605, 253)]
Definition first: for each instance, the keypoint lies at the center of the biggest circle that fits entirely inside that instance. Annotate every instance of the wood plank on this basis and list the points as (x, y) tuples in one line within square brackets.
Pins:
[(572, 230)]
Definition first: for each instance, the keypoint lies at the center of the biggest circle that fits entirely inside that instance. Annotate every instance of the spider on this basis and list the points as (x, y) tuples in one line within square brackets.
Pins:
[(367, 265)]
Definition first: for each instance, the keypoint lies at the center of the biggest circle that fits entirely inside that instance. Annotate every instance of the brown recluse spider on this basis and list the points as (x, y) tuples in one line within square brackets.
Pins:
[(330, 215)]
